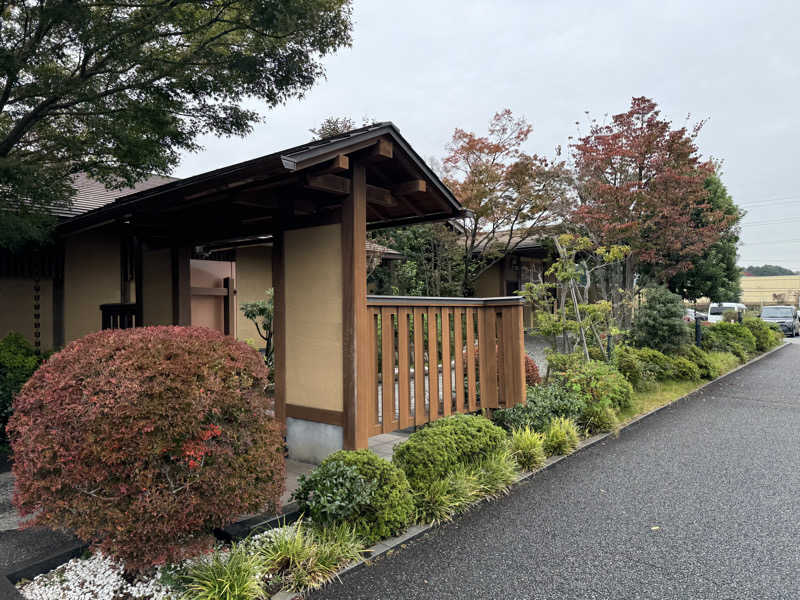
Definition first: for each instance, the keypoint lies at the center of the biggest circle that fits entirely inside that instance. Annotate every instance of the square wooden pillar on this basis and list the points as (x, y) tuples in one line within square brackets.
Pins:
[(354, 309)]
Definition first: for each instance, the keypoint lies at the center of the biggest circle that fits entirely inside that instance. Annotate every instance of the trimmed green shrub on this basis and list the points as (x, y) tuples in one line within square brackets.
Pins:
[(375, 496), (152, 438), (598, 382), (561, 437), (543, 403), (700, 358), (18, 361), (435, 450), (730, 337), (655, 364), (599, 417), (767, 335), (659, 323), (527, 447), (730, 316), (558, 362), (626, 360), (684, 369)]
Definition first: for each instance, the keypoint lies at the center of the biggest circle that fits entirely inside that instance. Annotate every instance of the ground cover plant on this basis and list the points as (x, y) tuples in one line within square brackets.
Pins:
[(359, 487), (161, 435)]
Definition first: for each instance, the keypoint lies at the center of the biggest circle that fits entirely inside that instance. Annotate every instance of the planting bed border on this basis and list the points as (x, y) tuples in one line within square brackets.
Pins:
[(290, 513)]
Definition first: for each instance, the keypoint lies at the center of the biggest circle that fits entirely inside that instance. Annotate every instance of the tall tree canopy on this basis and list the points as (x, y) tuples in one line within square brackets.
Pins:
[(118, 89), (641, 183), (713, 274), (512, 195)]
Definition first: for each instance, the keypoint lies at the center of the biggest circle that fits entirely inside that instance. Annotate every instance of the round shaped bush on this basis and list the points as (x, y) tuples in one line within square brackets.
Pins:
[(599, 382), (144, 440), (701, 359), (684, 369), (359, 487), (437, 449)]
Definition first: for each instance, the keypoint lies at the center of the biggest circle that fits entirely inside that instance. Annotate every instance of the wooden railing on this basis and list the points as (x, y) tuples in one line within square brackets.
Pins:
[(118, 316), (475, 346)]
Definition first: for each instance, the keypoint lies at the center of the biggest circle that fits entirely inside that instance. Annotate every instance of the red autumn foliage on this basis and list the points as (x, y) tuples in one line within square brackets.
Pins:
[(640, 182), (143, 441)]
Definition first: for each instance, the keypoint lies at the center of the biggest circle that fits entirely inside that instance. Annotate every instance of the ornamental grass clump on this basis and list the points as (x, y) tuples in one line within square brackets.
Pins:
[(298, 557), (495, 473), (527, 448), (442, 499), (359, 487), (223, 575), (143, 441), (561, 437)]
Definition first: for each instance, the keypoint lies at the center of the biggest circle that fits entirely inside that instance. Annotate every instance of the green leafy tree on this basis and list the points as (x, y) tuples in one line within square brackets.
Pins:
[(713, 274), (119, 89), (434, 262), (261, 313)]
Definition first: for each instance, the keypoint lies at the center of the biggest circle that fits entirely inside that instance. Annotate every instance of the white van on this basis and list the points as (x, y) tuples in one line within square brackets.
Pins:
[(717, 309)]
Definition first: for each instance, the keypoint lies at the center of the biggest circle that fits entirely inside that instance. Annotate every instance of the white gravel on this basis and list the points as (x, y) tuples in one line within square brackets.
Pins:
[(95, 577), (100, 578)]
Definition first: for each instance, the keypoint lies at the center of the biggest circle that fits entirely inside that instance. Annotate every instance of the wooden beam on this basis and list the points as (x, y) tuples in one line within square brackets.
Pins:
[(339, 163), (379, 195), (383, 149), (181, 286), (317, 415), (410, 187), (333, 184)]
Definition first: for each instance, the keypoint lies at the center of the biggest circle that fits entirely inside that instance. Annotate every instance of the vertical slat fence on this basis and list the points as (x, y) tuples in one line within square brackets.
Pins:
[(431, 357)]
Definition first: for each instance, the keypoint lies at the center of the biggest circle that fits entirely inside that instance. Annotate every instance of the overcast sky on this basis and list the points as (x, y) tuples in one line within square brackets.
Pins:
[(431, 66)]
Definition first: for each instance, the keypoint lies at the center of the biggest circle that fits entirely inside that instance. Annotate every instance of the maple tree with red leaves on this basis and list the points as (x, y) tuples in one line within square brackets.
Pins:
[(640, 183), (512, 195)]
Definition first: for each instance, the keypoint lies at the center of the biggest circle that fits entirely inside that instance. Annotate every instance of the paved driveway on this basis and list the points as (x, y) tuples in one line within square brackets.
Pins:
[(701, 501)]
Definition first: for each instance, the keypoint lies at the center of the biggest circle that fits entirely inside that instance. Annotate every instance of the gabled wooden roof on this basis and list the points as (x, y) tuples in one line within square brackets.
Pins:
[(295, 187)]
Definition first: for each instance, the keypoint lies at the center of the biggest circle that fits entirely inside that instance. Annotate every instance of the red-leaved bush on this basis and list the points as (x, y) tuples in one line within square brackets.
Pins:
[(532, 376), (144, 440)]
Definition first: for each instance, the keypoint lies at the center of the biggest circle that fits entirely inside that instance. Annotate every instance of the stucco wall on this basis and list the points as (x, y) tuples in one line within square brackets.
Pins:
[(209, 311), (16, 309), (313, 284), (91, 278), (253, 279), (490, 284), (157, 287)]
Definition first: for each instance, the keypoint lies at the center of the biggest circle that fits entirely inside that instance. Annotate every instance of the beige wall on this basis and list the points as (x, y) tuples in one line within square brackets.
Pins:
[(253, 279), (91, 278), (209, 311), (156, 287), (16, 309), (313, 293), (490, 284)]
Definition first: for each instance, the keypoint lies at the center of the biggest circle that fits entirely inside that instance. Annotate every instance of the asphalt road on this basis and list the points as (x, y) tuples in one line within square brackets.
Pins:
[(701, 500)]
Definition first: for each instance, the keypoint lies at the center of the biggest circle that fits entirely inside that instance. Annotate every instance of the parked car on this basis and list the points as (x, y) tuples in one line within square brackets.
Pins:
[(785, 316), (717, 309), (692, 314)]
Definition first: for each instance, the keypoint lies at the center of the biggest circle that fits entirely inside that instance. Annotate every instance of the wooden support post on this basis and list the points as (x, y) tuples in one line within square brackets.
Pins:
[(138, 275), (181, 286), (229, 302), (279, 327), (354, 307)]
